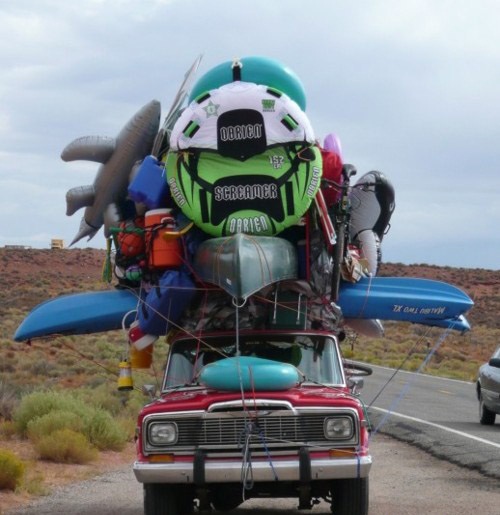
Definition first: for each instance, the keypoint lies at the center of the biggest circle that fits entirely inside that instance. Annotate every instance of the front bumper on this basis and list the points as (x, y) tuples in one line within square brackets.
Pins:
[(222, 471)]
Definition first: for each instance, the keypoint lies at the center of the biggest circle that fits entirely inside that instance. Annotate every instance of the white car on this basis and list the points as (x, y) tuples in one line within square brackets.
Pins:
[(488, 389)]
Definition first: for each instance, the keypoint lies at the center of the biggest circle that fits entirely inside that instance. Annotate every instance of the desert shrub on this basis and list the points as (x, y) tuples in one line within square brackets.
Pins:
[(67, 360), (65, 446), (123, 406), (11, 470), (53, 421), (7, 429), (413, 364), (41, 414), (104, 396), (135, 402), (8, 401), (105, 432), (37, 404)]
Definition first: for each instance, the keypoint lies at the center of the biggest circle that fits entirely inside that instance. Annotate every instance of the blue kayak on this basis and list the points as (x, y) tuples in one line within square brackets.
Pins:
[(78, 313), (421, 301)]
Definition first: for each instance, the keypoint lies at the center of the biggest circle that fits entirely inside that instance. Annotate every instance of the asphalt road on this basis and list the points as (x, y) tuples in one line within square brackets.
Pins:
[(403, 481), (435, 414)]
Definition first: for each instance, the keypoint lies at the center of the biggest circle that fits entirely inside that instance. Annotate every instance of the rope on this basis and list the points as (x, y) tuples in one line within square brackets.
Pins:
[(252, 429), (172, 322), (251, 423), (409, 353), (83, 356), (246, 466), (370, 280), (406, 387)]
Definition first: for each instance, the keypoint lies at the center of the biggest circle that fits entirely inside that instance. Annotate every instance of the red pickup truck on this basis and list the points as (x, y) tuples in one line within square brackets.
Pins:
[(287, 423)]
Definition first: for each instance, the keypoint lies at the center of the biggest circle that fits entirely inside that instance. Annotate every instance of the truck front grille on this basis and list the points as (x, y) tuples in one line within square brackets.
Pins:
[(230, 431)]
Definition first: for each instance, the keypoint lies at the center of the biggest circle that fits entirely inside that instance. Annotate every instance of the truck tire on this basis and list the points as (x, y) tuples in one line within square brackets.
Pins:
[(161, 499), (350, 496)]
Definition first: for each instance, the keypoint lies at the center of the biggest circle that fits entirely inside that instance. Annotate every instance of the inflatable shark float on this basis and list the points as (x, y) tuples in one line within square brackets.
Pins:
[(118, 156)]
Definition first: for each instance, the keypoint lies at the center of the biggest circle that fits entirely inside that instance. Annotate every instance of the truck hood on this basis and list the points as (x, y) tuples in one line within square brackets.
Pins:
[(200, 398)]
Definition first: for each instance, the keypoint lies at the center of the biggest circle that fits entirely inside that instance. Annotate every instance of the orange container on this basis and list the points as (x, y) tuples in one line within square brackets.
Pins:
[(141, 358), (162, 252)]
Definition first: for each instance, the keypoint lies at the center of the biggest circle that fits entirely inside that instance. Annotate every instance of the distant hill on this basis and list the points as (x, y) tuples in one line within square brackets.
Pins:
[(30, 276)]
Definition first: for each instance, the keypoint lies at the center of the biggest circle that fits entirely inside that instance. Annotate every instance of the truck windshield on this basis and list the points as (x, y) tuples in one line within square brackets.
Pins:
[(317, 357)]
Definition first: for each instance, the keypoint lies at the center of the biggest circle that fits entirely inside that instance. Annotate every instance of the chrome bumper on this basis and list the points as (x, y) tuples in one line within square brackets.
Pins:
[(231, 471)]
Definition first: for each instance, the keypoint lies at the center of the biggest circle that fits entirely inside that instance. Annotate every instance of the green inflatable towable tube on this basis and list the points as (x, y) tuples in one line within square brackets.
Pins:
[(256, 69), (263, 195)]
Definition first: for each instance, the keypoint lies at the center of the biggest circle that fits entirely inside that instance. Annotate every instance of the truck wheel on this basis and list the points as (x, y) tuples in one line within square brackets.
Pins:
[(161, 499), (486, 417), (350, 496)]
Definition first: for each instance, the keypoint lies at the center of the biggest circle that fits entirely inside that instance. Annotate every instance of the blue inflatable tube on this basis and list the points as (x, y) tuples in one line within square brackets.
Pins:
[(250, 373), (256, 69)]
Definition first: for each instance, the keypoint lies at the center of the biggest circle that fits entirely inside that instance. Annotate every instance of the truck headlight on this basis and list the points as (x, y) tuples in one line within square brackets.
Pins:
[(338, 428), (162, 433)]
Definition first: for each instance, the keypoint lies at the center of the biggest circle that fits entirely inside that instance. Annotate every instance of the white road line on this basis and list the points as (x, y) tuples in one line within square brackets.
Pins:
[(438, 426), (421, 374)]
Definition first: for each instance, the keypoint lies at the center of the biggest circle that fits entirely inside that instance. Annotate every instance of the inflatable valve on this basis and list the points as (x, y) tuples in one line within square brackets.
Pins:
[(172, 235), (125, 381)]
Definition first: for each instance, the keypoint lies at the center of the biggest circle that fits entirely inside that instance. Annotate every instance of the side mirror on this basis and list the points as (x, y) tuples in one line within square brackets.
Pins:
[(355, 384), (494, 362), (149, 390)]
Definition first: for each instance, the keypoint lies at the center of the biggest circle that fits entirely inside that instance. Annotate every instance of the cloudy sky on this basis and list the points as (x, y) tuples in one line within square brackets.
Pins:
[(411, 88)]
